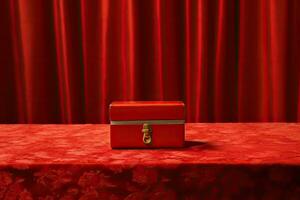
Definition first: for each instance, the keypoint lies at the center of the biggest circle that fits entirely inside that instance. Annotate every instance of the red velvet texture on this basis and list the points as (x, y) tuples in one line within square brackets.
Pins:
[(220, 161), (64, 61)]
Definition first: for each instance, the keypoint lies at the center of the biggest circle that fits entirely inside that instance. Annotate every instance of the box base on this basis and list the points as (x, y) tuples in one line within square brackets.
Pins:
[(131, 136)]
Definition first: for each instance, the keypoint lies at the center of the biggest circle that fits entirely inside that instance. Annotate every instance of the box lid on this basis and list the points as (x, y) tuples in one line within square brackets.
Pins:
[(146, 110)]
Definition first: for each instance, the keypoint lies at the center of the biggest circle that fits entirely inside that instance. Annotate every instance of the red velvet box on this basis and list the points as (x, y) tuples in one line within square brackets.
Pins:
[(147, 124)]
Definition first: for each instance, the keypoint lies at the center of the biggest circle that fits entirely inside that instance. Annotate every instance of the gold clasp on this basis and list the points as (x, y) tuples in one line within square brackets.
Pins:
[(147, 137)]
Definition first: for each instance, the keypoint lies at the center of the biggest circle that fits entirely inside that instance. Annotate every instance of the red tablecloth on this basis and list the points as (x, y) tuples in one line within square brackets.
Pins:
[(220, 161)]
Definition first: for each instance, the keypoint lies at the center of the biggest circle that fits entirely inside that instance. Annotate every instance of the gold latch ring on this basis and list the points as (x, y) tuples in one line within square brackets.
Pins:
[(147, 134)]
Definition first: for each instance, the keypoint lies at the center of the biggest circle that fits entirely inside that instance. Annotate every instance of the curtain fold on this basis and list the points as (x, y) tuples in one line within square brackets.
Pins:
[(64, 61)]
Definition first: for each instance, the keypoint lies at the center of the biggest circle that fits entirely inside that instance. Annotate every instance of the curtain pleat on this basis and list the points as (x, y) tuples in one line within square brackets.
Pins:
[(65, 61)]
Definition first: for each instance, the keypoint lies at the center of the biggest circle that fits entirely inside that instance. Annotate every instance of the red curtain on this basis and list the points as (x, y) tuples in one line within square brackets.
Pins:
[(64, 61)]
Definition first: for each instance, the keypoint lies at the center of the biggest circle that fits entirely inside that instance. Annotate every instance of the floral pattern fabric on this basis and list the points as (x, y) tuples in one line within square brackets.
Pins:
[(220, 161)]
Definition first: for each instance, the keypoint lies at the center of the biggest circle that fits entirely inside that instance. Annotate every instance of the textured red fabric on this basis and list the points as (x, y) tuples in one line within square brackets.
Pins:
[(220, 161), (64, 61)]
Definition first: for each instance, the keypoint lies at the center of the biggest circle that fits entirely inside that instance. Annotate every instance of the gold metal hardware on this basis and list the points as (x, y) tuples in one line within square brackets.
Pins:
[(147, 136)]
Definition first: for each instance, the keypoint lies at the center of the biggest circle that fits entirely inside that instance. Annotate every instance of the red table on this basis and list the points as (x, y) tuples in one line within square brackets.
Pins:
[(220, 161)]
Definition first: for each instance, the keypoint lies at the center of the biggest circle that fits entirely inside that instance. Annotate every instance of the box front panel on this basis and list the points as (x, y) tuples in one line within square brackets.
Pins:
[(132, 136)]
